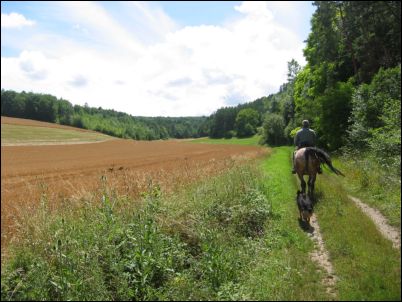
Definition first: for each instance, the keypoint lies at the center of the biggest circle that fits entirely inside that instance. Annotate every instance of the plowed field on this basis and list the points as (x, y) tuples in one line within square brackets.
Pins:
[(63, 172)]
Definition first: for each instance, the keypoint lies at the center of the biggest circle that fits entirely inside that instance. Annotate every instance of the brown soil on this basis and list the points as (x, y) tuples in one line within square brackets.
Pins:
[(60, 172)]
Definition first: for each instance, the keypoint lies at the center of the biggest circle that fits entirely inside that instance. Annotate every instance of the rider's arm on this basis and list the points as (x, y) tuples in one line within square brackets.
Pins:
[(314, 138), (297, 138)]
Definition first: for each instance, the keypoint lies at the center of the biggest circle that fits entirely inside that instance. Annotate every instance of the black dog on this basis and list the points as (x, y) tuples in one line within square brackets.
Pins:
[(305, 206)]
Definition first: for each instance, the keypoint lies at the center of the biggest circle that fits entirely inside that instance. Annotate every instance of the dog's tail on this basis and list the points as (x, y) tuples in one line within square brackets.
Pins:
[(324, 158)]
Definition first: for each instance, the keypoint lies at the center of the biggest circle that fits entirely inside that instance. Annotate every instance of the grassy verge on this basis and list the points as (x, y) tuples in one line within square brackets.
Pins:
[(371, 183), (249, 141), (15, 134), (366, 264)]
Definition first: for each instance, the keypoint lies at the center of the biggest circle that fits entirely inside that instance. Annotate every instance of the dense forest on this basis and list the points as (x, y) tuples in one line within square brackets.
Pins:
[(349, 90)]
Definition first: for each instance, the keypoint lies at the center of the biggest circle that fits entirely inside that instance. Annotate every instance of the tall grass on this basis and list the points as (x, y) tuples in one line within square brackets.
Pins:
[(192, 245), (376, 184)]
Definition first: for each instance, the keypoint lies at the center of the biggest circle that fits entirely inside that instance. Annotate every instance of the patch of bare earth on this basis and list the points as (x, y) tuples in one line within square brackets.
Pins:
[(380, 222), (321, 257)]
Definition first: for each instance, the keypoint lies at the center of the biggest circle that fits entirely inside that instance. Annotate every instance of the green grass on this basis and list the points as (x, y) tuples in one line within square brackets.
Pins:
[(248, 141), (284, 271), (17, 134), (365, 262), (369, 182)]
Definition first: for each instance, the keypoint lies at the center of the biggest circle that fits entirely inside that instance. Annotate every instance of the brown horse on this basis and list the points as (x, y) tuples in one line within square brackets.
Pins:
[(307, 162)]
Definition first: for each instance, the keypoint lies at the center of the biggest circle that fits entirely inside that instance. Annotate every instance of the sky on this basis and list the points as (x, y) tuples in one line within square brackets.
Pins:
[(154, 58)]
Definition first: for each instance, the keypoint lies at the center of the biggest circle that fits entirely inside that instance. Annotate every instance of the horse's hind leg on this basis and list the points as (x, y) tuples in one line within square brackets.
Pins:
[(311, 183), (303, 183)]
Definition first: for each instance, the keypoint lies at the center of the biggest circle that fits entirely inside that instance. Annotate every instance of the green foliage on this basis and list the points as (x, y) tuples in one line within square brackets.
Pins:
[(219, 124), (246, 123), (222, 122), (371, 32), (293, 70), (376, 118), (273, 130), (308, 86), (294, 131), (335, 110), (229, 134)]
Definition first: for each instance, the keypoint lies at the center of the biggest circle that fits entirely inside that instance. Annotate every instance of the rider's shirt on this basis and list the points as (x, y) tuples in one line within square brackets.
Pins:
[(305, 137)]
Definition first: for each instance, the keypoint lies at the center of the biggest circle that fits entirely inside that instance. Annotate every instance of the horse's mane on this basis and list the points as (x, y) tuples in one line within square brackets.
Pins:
[(323, 158)]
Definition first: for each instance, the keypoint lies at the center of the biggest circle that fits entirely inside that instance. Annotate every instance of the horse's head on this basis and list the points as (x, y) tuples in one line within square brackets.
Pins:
[(305, 206)]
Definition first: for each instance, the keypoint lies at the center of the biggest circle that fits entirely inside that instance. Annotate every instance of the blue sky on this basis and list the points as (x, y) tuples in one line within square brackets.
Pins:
[(169, 58)]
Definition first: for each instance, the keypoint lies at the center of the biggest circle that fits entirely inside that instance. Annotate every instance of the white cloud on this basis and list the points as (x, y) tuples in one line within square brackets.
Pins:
[(15, 20), (255, 9), (188, 71), (103, 27)]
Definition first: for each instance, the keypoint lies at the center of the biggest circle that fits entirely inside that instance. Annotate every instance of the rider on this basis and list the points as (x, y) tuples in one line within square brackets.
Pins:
[(305, 137)]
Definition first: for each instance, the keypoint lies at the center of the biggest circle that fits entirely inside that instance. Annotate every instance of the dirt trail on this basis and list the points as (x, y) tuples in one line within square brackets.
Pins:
[(321, 256), (380, 222)]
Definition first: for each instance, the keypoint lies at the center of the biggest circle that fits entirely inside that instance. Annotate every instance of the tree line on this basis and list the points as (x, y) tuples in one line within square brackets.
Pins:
[(48, 108)]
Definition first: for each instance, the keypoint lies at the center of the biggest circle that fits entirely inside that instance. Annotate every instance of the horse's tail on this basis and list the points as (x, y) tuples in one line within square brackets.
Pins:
[(324, 158)]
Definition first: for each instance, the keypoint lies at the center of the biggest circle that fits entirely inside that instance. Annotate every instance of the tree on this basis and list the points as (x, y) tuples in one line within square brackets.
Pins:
[(334, 113), (246, 123), (223, 121), (273, 129), (376, 115), (293, 69)]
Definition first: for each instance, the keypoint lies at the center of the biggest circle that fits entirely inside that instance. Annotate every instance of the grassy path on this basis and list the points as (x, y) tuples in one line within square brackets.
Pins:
[(366, 264), (286, 272)]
